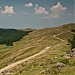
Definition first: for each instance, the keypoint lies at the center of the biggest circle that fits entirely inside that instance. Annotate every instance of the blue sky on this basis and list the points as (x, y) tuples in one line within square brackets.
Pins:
[(35, 13)]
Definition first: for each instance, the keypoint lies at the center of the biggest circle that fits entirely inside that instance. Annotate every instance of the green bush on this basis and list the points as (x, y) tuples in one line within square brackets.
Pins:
[(73, 64), (72, 42), (65, 61)]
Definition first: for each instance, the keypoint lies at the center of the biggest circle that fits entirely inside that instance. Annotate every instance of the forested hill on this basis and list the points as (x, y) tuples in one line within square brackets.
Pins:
[(11, 35)]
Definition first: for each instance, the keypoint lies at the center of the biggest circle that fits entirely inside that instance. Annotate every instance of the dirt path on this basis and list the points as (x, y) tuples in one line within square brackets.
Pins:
[(21, 61), (55, 36), (31, 57)]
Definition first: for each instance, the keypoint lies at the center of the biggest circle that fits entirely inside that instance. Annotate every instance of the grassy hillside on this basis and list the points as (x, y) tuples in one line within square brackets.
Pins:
[(35, 42)]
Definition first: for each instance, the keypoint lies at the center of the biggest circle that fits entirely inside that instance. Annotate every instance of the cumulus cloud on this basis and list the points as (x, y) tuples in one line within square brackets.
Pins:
[(40, 10), (57, 11), (8, 10), (28, 5)]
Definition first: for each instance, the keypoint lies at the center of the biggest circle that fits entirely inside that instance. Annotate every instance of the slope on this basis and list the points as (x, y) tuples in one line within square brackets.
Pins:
[(34, 43)]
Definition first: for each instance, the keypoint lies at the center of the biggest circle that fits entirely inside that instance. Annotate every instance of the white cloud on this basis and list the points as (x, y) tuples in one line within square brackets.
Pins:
[(28, 5), (57, 11), (40, 10), (54, 16), (8, 10)]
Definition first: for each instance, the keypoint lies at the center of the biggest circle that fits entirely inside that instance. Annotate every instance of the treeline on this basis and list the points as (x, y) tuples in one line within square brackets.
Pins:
[(72, 41), (8, 36)]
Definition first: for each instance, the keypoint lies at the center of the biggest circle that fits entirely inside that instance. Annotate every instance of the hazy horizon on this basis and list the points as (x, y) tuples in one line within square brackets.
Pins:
[(35, 28)]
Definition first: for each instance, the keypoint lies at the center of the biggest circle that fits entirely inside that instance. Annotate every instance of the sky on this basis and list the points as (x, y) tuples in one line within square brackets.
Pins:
[(36, 13)]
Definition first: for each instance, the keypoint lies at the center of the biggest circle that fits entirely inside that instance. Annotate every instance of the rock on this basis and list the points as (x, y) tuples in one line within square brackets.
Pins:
[(59, 64), (70, 54)]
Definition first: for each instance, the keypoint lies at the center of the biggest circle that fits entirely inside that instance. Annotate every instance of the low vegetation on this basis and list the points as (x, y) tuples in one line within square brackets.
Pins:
[(53, 62), (72, 41)]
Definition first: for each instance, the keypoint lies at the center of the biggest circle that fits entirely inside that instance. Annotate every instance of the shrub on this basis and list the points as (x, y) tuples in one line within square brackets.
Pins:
[(65, 61), (72, 42)]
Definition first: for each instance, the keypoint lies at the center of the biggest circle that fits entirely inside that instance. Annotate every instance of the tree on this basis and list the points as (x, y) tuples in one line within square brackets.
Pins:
[(9, 42)]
